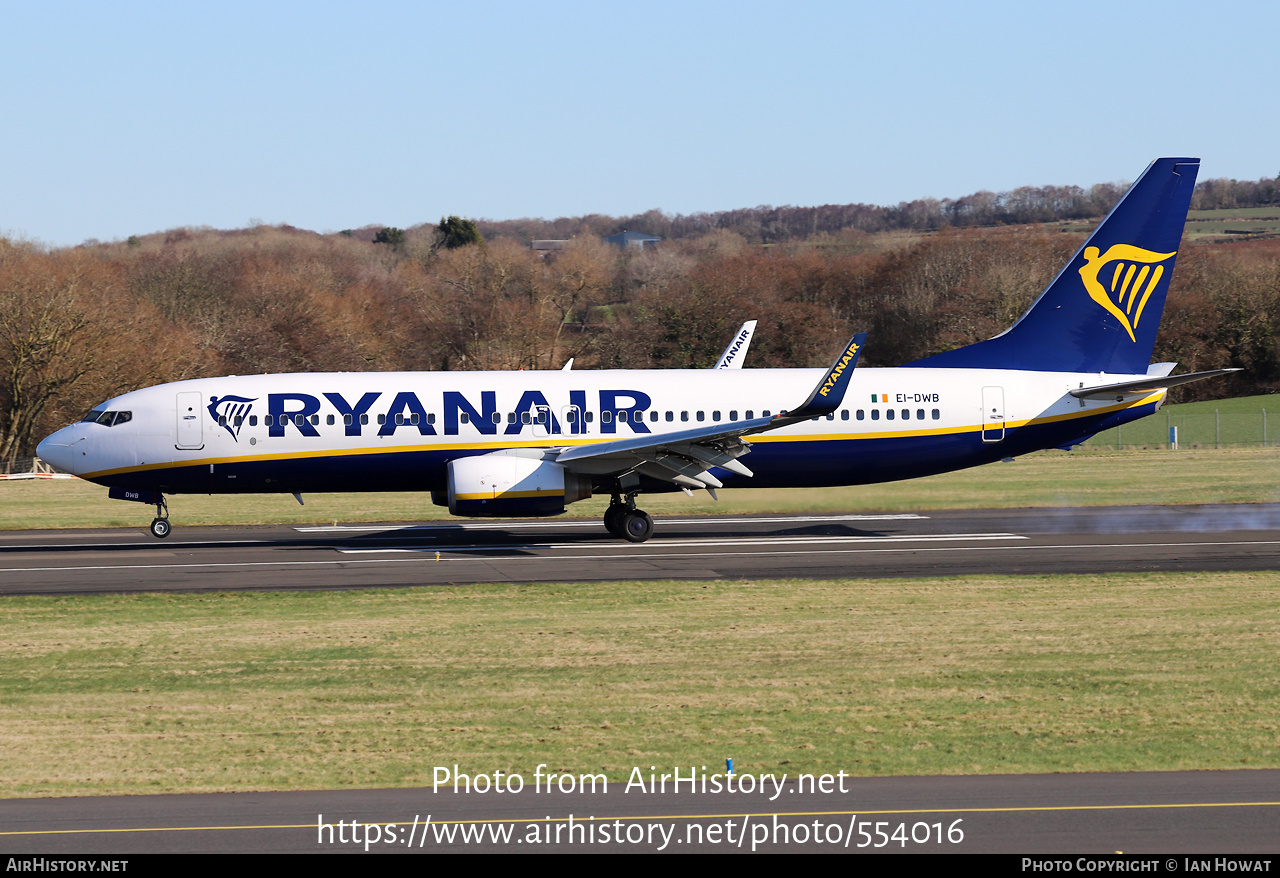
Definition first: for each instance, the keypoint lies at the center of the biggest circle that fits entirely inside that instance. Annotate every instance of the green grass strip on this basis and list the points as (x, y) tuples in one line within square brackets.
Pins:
[(191, 693)]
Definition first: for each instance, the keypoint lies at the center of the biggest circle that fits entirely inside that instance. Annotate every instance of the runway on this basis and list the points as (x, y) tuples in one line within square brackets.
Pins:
[(1157, 814), (950, 543)]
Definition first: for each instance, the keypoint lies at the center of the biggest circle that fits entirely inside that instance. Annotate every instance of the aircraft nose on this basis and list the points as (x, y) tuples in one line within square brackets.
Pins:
[(57, 450)]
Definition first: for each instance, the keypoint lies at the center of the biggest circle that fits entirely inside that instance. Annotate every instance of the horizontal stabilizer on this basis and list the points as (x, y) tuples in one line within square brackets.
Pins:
[(1150, 384)]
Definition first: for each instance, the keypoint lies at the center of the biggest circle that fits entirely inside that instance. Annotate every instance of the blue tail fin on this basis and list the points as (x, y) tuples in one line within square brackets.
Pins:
[(1102, 311)]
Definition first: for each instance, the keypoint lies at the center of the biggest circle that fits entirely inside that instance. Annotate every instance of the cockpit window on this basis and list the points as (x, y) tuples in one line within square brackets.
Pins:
[(107, 419)]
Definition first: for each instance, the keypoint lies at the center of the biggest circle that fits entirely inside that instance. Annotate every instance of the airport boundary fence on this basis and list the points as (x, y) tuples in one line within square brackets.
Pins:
[(1215, 429), (29, 468)]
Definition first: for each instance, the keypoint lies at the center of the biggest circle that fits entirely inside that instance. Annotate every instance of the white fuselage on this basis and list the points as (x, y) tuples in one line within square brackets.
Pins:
[(386, 431)]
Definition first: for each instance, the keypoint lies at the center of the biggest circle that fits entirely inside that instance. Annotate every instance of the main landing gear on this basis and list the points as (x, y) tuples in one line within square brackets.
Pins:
[(623, 520), (160, 526)]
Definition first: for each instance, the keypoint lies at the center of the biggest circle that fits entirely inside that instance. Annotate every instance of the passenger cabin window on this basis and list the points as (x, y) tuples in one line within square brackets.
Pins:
[(606, 417), (919, 414), (684, 416), (671, 416), (936, 414), (862, 415), (653, 415), (875, 414), (464, 417), (253, 420)]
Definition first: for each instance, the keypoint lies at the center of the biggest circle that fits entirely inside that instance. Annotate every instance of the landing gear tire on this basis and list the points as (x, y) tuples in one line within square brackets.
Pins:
[(637, 526), (160, 526), (613, 519)]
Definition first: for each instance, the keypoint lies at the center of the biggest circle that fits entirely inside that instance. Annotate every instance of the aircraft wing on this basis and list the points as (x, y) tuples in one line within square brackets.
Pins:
[(685, 456), (1150, 384)]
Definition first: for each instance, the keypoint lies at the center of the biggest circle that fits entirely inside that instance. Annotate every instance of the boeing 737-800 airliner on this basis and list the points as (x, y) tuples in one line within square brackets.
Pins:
[(529, 443)]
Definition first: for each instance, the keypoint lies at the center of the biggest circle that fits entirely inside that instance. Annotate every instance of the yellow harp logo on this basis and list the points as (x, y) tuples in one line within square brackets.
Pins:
[(1122, 279)]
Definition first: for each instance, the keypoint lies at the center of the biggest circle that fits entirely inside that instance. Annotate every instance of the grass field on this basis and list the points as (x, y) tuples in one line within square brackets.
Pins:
[(157, 693)]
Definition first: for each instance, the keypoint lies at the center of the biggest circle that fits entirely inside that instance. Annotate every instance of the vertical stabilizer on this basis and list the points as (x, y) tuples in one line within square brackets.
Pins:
[(1102, 311)]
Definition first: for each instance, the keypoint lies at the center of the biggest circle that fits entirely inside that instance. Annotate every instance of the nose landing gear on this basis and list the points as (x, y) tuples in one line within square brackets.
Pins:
[(160, 527)]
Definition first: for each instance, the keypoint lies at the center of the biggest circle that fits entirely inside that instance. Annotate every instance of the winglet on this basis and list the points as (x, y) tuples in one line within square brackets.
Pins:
[(736, 352), (829, 393)]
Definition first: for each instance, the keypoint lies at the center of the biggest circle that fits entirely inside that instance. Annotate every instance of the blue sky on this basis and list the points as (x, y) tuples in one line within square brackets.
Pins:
[(127, 117)]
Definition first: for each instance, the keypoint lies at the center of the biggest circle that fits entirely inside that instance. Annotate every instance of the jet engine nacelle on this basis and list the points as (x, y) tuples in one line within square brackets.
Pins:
[(508, 485)]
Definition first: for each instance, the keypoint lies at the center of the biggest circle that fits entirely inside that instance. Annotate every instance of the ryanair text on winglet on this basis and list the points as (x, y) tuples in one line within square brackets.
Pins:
[(839, 368)]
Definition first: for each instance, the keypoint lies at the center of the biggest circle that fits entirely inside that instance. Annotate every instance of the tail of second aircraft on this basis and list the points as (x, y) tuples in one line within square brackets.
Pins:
[(1102, 311)]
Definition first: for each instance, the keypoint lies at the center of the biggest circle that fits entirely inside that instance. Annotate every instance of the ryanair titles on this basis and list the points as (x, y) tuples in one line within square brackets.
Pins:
[(383, 414), (833, 377)]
